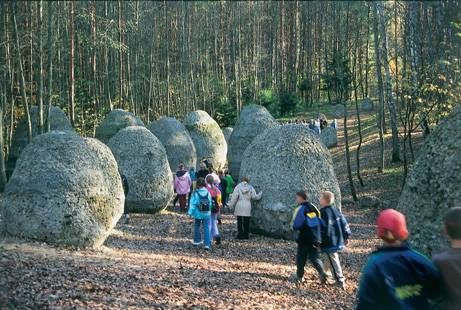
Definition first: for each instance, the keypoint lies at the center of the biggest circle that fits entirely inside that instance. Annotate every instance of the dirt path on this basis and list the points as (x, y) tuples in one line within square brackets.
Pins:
[(150, 263)]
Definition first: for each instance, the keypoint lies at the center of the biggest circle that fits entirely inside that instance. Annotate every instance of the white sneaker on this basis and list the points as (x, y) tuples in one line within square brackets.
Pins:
[(207, 248), (197, 243)]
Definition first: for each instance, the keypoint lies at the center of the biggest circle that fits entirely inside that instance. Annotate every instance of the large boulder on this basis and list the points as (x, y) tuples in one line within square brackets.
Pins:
[(433, 184), (208, 138), (65, 190), (176, 139), (339, 110), (227, 132), (253, 120), (142, 158), (329, 137), (58, 121), (366, 105), (295, 160), (114, 121)]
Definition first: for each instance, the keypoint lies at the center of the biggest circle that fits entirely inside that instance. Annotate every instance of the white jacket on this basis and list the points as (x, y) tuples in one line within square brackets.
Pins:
[(241, 199)]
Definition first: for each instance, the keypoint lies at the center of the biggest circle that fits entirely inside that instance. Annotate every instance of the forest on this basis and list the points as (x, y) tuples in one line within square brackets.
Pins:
[(299, 60)]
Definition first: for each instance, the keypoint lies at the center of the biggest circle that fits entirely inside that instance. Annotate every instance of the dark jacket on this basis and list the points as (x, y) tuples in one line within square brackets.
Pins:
[(398, 278), (335, 229), (304, 221), (202, 173)]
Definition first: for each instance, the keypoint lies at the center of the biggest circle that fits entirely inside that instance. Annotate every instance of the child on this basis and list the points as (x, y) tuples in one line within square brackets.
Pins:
[(307, 223), (449, 261), (396, 277), (182, 184), (229, 185), (335, 234), (215, 194), (200, 210)]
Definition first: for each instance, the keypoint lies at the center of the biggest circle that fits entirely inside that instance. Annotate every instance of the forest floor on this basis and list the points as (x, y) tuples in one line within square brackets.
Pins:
[(151, 263)]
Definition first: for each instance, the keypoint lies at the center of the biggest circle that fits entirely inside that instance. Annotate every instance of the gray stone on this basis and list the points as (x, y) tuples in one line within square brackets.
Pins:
[(433, 184), (367, 105), (208, 138), (65, 190), (114, 121), (176, 139), (227, 132), (295, 160), (339, 110), (253, 120), (329, 137), (58, 121), (142, 158)]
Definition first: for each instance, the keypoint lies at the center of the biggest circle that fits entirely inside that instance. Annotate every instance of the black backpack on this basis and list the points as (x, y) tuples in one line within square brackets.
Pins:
[(203, 203)]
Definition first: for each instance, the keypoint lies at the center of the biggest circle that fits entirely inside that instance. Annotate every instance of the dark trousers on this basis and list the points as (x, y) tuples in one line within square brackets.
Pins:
[(308, 252), (243, 227), (182, 201)]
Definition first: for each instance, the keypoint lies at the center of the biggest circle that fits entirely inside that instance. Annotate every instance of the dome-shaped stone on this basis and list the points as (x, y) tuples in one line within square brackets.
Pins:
[(65, 190), (433, 185), (280, 162), (208, 138), (253, 120), (142, 158), (58, 121), (176, 139), (114, 121)]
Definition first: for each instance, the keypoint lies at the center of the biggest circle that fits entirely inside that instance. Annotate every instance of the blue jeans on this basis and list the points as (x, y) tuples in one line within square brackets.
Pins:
[(214, 231), (206, 231)]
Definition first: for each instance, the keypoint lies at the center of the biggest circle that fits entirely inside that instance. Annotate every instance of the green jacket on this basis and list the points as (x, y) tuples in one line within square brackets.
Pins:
[(230, 184)]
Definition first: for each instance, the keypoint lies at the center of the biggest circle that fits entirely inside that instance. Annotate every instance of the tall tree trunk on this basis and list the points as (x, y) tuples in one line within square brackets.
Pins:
[(388, 84), (40, 89), (23, 79), (71, 65), (50, 64)]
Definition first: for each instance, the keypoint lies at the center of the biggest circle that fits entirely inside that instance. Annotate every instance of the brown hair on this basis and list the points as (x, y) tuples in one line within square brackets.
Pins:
[(453, 223), (209, 179), (302, 193), (200, 183)]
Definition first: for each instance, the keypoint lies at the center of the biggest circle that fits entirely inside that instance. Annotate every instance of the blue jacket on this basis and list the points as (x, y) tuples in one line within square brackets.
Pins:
[(398, 278), (335, 229), (307, 222), (194, 203)]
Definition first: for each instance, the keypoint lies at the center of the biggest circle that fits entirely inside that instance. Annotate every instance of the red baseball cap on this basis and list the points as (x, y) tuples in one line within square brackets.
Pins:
[(392, 225)]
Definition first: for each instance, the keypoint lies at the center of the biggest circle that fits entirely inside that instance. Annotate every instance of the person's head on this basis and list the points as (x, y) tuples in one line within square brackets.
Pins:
[(452, 223), (327, 198), (202, 166), (181, 166), (301, 196), (226, 172), (221, 173), (201, 183), (392, 227), (246, 179), (209, 179)]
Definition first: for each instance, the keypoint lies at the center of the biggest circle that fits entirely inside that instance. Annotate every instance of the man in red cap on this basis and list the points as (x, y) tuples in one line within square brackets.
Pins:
[(397, 277)]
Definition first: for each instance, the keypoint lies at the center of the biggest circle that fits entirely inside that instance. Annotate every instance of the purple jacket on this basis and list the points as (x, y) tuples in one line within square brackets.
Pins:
[(182, 182)]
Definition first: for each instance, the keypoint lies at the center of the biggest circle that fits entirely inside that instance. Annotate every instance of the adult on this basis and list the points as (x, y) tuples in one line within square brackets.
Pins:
[(229, 184), (182, 184), (203, 171), (241, 201), (223, 186)]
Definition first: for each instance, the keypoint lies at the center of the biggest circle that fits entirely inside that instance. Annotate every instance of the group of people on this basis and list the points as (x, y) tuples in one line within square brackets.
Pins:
[(395, 276), (317, 124)]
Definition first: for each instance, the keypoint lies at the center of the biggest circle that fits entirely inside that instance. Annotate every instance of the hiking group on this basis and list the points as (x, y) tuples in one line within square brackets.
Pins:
[(395, 276)]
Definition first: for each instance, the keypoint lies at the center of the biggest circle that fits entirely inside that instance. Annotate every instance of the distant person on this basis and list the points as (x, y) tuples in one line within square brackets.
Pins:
[(397, 277), (223, 186), (216, 199), (229, 185), (334, 123), (207, 163), (182, 185), (200, 210), (215, 176), (193, 177), (307, 225), (126, 189), (317, 128), (335, 235), (241, 201), (449, 261), (203, 171)]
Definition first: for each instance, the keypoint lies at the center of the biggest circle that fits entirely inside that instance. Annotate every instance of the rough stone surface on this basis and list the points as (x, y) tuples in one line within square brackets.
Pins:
[(227, 132), (176, 139), (58, 121), (296, 160), (114, 121), (142, 158), (433, 184), (339, 110), (208, 138), (366, 105), (65, 190), (253, 120), (329, 137)]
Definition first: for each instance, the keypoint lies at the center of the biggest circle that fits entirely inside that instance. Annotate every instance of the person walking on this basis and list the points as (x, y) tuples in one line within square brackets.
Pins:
[(241, 201), (229, 185), (200, 210), (216, 199), (182, 184)]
